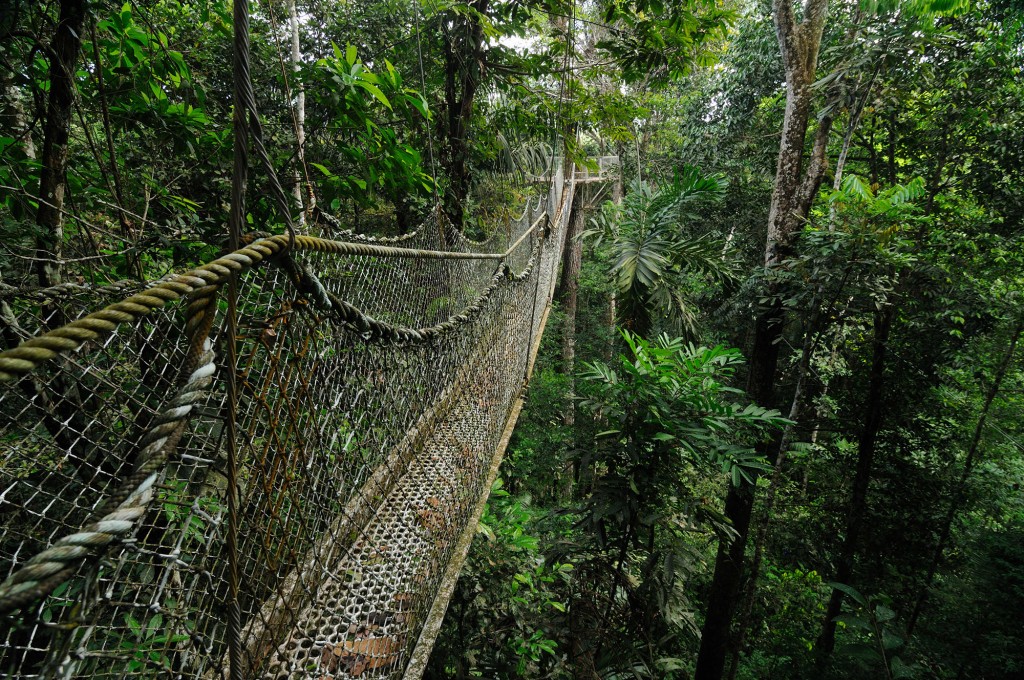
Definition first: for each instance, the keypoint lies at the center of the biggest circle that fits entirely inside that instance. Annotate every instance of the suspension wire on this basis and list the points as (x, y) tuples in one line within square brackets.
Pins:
[(245, 98), (566, 61), (423, 92), (239, 182)]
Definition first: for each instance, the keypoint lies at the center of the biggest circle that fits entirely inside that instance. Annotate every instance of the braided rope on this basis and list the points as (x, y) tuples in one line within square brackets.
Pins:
[(47, 569), (373, 329), (8, 291), (201, 284), (351, 235)]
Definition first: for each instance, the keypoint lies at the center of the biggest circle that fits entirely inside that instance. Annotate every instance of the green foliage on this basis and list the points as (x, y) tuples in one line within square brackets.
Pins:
[(788, 613), (652, 254), (915, 7), (926, 94), (356, 101), (151, 82), (543, 444), (662, 41), (871, 638), (670, 398), (511, 594)]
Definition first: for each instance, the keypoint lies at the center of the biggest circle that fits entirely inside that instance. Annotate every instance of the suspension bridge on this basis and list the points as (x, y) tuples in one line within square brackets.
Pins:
[(311, 520)]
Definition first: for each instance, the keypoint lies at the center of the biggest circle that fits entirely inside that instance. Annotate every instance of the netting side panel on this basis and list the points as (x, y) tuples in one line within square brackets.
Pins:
[(71, 432), (366, 605)]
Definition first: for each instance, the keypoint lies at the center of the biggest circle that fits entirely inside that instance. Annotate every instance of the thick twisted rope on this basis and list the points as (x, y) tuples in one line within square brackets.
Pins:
[(373, 329), (350, 235), (202, 282), (66, 289)]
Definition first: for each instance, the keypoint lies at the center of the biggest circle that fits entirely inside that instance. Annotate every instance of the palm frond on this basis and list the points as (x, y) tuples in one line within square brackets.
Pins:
[(650, 257)]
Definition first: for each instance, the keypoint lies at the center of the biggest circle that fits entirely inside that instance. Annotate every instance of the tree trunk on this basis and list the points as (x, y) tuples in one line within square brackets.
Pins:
[(50, 218), (572, 260), (298, 110), (956, 502), (463, 64), (613, 312), (792, 196), (764, 520), (15, 122), (739, 502), (862, 479)]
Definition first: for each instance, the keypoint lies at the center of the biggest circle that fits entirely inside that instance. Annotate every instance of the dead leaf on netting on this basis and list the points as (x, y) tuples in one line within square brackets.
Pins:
[(355, 657), (403, 602), (330, 657), (370, 654), (432, 521)]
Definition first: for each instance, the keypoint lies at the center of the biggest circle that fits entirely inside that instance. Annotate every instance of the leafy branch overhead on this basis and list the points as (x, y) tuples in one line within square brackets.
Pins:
[(358, 104)]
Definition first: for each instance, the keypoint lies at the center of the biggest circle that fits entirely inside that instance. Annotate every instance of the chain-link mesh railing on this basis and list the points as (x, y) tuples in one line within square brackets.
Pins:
[(374, 381)]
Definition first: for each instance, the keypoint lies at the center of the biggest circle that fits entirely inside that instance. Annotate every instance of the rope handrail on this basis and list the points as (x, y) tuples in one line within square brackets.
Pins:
[(24, 358)]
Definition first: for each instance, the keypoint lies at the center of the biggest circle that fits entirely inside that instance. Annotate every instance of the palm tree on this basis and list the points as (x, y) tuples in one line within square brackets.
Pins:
[(652, 257)]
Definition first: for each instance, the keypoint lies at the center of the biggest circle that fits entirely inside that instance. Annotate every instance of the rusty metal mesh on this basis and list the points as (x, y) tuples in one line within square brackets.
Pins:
[(360, 459)]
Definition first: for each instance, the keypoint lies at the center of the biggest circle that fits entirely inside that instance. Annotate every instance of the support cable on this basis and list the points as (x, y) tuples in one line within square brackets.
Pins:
[(245, 99), (423, 92), (239, 181), (296, 102)]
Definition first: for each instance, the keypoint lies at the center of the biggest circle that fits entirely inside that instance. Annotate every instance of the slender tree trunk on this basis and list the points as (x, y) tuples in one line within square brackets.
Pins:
[(464, 50), (852, 124), (618, 187), (739, 502), (613, 312), (15, 122), (50, 218), (891, 148), (957, 500), (572, 260), (129, 232), (764, 519), (299, 110), (60, 405), (862, 479), (792, 196)]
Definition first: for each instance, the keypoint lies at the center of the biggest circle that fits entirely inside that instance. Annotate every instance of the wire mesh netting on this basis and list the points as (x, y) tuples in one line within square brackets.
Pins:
[(373, 388)]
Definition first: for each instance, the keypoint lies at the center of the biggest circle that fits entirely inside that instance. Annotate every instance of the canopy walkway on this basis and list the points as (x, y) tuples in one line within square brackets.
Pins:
[(376, 386)]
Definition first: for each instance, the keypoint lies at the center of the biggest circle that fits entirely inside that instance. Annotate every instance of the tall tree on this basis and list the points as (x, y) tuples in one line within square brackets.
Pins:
[(857, 507), (956, 502), (298, 108), (67, 44), (464, 52), (794, 191)]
